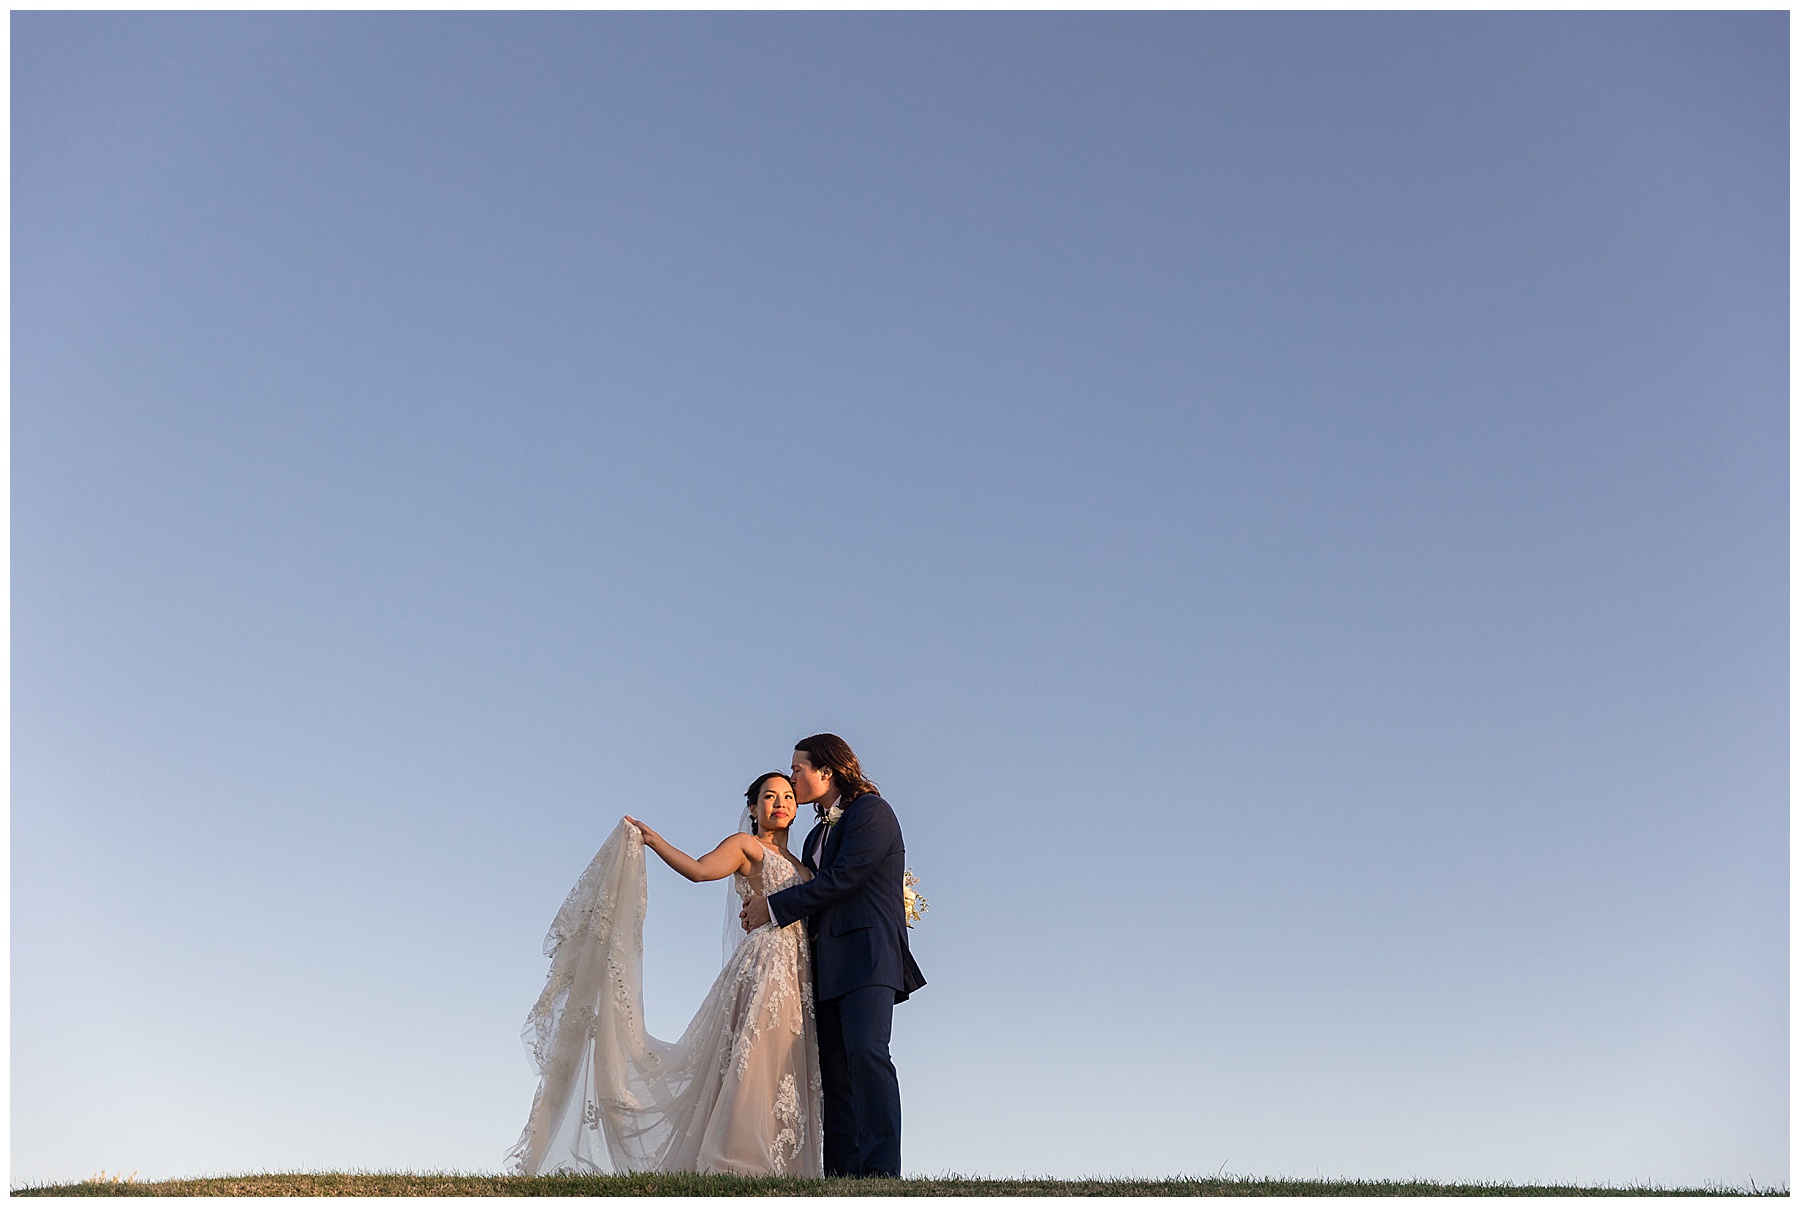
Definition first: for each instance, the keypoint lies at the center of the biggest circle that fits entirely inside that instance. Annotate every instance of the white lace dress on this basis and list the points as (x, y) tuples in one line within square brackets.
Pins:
[(739, 1092)]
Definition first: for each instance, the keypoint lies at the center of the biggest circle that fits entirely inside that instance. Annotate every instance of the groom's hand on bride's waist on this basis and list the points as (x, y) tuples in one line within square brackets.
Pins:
[(755, 912)]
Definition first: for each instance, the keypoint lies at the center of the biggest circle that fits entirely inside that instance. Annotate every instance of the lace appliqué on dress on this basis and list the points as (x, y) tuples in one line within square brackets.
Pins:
[(739, 1092)]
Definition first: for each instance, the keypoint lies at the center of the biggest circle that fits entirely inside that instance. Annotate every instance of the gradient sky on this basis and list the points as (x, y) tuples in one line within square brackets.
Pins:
[(1291, 509)]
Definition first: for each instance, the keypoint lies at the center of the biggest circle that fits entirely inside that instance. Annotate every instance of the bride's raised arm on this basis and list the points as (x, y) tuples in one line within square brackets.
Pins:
[(732, 855)]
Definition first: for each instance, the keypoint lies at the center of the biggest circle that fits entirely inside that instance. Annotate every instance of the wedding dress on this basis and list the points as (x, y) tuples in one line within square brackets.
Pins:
[(739, 1092)]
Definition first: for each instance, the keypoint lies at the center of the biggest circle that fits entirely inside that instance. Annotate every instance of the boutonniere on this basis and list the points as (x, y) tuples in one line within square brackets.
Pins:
[(832, 814)]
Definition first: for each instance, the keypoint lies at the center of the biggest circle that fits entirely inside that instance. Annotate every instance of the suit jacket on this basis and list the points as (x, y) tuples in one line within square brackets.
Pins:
[(855, 911)]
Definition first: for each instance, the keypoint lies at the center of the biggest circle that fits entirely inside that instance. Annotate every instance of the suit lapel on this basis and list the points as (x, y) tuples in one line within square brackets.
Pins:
[(827, 847), (809, 853)]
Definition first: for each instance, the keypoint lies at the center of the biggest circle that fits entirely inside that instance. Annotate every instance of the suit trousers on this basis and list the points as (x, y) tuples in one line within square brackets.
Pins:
[(861, 1089)]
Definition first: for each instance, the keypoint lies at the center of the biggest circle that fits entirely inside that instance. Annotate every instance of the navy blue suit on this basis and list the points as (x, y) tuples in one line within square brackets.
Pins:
[(856, 923)]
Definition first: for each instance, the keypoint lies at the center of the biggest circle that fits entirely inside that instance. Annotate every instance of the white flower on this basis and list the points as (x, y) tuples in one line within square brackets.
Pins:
[(832, 815), (915, 905)]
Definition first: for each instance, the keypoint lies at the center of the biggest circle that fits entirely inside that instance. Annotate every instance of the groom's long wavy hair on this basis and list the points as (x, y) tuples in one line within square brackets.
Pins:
[(828, 751)]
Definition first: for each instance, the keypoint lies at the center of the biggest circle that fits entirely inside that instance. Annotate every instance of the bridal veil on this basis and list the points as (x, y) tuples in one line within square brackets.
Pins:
[(738, 1093)]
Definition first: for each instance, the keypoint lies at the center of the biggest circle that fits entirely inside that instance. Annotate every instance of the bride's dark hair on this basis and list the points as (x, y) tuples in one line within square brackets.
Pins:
[(828, 751), (755, 790)]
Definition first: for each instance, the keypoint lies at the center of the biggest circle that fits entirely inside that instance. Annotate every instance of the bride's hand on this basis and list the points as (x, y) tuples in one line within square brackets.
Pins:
[(642, 829)]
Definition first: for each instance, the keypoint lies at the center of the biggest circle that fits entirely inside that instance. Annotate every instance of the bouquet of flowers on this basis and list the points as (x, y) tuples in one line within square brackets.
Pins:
[(915, 904)]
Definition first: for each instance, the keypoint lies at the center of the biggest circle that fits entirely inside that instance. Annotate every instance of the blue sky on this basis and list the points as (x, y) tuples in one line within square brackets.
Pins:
[(1291, 509)]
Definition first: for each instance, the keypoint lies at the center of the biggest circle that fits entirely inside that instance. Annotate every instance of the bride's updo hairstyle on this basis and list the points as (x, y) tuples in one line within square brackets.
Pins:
[(827, 751), (755, 790)]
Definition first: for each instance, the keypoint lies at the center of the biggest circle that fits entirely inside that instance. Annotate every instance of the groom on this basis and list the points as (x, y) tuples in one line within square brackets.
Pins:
[(856, 923)]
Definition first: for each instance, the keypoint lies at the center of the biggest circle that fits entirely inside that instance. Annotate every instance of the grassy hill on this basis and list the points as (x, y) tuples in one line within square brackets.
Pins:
[(720, 1185)]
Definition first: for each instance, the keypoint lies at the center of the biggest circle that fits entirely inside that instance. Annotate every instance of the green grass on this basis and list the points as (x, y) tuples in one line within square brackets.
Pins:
[(722, 1185)]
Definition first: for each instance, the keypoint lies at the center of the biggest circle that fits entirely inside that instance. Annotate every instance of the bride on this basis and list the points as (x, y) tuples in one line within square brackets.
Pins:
[(739, 1092)]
